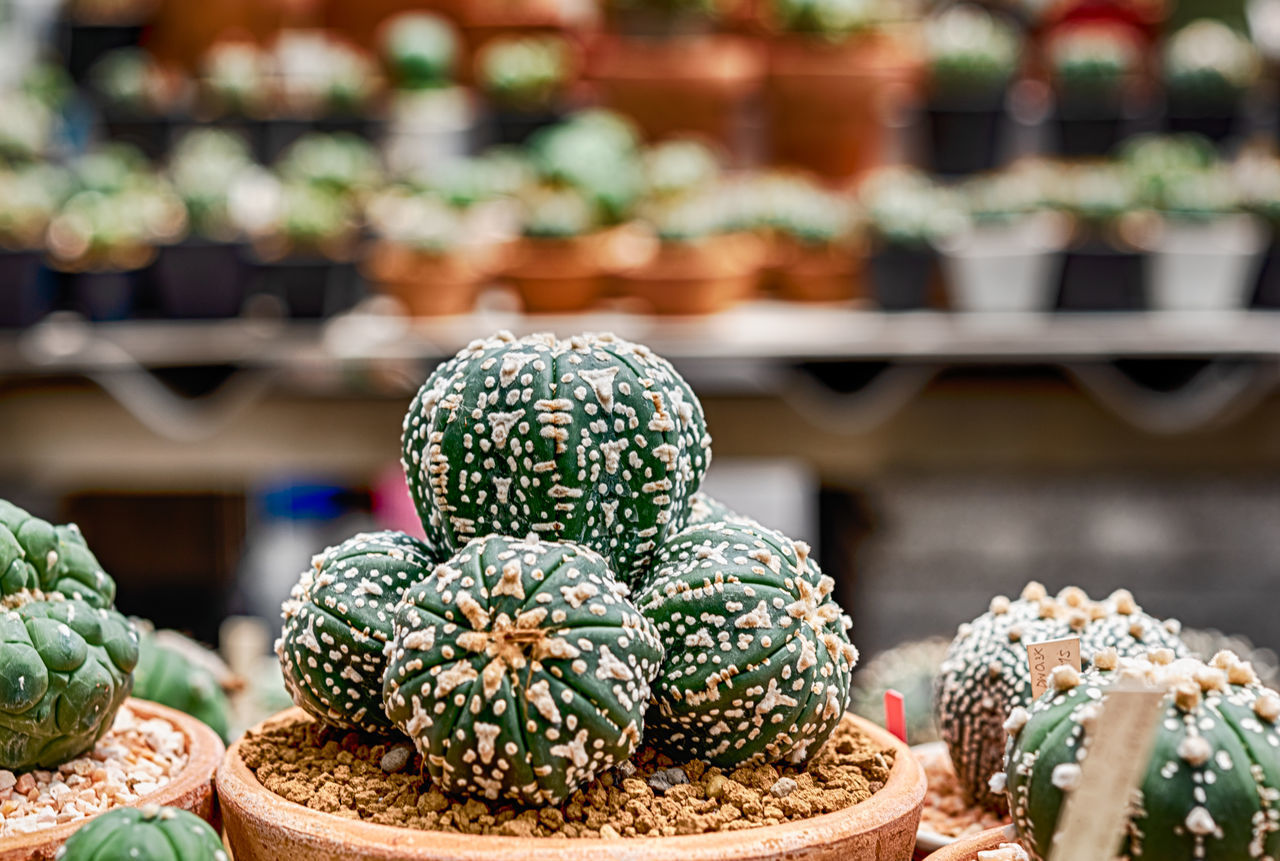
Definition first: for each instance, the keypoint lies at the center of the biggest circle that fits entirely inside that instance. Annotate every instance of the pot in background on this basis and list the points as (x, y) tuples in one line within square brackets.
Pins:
[(1089, 128), (1013, 268), (199, 279), (558, 276), (965, 134), (827, 272), (427, 284), (968, 848), (1219, 122), (1197, 266), (105, 296), (1098, 276), (310, 286), (262, 826), (29, 289), (429, 130), (700, 276), (903, 277)]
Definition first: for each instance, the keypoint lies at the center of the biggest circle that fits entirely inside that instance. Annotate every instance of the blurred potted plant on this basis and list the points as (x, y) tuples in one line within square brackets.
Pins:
[(669, 68), (432, 120), (90, 29), (202, 274), (29, 198), (597, 153), (1095, 68), (1104, 268), (1208, 70), (908, 216), (340, 163), (234, 92), (524, 79), (562, 260), (1259, 182), (27, 131), (973, 56), (140, 101), (840, 73)]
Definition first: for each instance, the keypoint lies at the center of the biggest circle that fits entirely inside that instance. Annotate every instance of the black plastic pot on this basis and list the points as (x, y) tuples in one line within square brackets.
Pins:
[(311, 288), (1217, 121), (1097, 276), (1088, 127), (964, 132), (82, 45), (101, 296), (514, 127), (197, 279), (902, 277), (28, 290), (1266, 292)]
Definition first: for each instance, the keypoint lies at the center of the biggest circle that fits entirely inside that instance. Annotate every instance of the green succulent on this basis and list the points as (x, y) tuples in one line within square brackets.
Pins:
[(203, 167), (591, 439), (337, 623), (520, 670), (911, 669), (679, 167), (986, 674), (111, 168), (421, 49), (971, 50), (1211, 782), (48, 83), (37, 556), (1095, 194), (175, 671), (124, 78), (906, 208), (558, 213), (835, 20), (28, 127), (498, 172), (596, 153), (1210, 63), (758, 659), (416, 219), (691, 218), (29, 198), (312, 217), (342, 163), (1008, 195), (1091, 59), (524, 71), (704, 509), (148, 833), (233, 77)]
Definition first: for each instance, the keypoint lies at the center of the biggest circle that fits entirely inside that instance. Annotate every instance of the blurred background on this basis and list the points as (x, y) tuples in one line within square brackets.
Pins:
[(973, 293)]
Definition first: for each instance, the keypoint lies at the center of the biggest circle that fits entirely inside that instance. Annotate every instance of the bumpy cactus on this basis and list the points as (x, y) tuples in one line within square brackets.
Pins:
[(338, 620), (175, 671), (520, 669), (592, 440), (35, 555), (67, 669), (911, 669), (758, 660), (985, 674), (704, 509), (1212, 783), (148, 833)]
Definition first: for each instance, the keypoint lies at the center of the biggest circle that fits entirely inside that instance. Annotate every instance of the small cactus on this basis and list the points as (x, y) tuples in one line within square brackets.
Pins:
[(758, 659), (911, 669), (985, 675), (1212, 784), (35, 555), (147, 833), (592, 439), (337, 623), (177, 672), (520, 670)]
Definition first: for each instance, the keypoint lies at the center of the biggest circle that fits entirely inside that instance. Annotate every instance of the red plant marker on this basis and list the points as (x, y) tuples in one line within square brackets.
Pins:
[(895, 714)]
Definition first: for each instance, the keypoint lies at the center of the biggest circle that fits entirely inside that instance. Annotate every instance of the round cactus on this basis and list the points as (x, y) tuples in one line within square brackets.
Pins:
[(592, 440), (147, 833), (1211, 786), (337, 622), (520, 669), (175, 671), (67, 669), (911, 669), (758, 660), (986, 675), (36, 555), (704, 509)]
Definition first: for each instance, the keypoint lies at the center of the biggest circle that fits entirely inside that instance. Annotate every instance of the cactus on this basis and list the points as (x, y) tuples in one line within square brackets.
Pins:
[(421, 49), (338, 621), (971, 51), (758, 661), (1209, 63), (525, 72), (147, 833), (35, 555), (911, 669), (704, 509), (177, 672), (67, 669), (1211, 785), (986, 675), (1093, 59), (520, 670), (593, 440)]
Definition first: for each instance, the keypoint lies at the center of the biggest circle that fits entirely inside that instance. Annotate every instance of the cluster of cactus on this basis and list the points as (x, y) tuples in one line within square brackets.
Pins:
[(180, 673), (986, 675), (147, 833), (555, 480), (68, 656), (1211, 786)]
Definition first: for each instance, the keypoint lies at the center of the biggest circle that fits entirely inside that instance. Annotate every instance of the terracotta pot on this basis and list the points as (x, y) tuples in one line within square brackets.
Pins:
[(556, 276), (701, 277), (820, 273), (263, 826), (830, 107), (968, 848), (427, 284), (700, 85), (191, 789)]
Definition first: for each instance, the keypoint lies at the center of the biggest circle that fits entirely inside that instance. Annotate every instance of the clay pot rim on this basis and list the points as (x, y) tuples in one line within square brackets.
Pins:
[(901, 795), (204, 751), (968, 848)]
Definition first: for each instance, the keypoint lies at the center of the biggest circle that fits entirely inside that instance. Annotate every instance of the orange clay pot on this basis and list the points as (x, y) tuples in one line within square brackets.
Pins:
[(830, 106), (699, 277), (700, 85), (968, 848), (191, 788), (427, 284), (557, 276), (830, 272), (263, 826)]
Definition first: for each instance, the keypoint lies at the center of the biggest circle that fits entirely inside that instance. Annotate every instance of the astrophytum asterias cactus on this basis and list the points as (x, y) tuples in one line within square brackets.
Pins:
[(759, 661), (1212, 787), (67, 669), (986, 673), (38, 556), (148, 833), (704, 509), (337, 623), (520, 670), (592, 440)]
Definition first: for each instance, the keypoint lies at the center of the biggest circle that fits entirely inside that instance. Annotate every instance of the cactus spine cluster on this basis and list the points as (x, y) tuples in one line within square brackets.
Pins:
[(1212, 787), (148, 833), (985, 674)]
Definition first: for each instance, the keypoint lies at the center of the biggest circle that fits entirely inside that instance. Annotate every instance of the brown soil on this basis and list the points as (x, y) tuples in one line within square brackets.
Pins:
[(341, 773)]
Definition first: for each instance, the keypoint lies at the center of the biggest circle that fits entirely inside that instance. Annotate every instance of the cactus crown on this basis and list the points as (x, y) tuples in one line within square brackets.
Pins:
[(421, 49), (1093, 58), (1208, 60), (526, 72), (971, 49), (149, 832)]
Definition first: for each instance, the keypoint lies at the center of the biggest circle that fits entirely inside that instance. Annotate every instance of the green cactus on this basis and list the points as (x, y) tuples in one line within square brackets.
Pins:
[(971, 51), (525, 72), (148, 833), (592, 439), (1209, 63), (337, 623), (67, 669), (520, 670), (910, 669), (36, 555), (177, 672), (758, 661), (704, 509), (1211, 786), (421, 49), (986, 673)]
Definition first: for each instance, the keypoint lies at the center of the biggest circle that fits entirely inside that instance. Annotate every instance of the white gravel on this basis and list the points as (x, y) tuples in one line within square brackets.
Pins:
[(134, 759)]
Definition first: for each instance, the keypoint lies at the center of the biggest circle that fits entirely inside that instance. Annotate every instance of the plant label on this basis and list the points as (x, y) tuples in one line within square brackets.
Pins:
[(1043, 657)]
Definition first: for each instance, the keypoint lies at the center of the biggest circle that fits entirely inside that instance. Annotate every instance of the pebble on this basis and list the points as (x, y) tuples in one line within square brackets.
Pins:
[(396, 759), (627, 769), (661, 781), (608, 832), (783, 787)]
